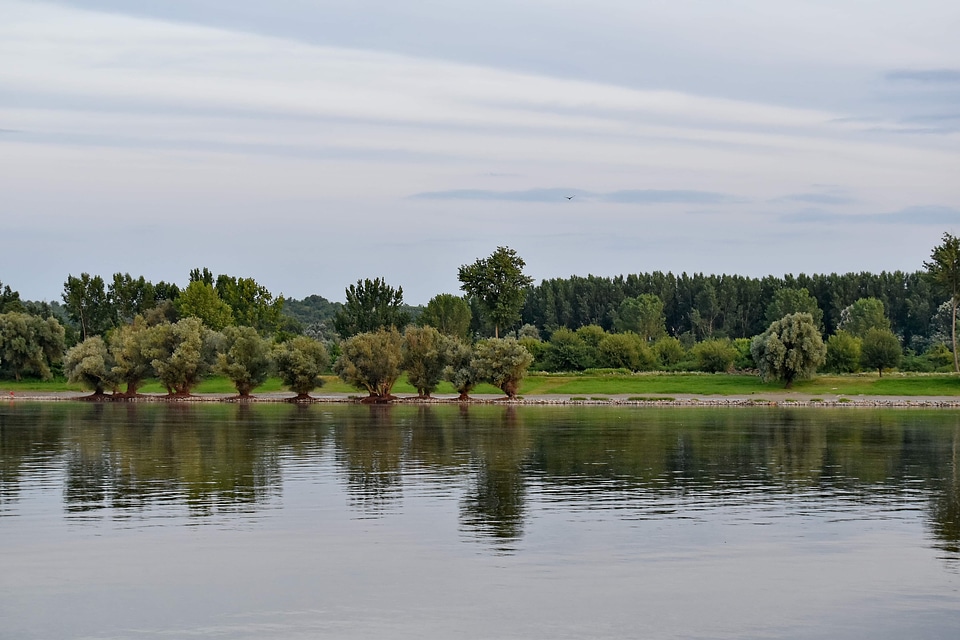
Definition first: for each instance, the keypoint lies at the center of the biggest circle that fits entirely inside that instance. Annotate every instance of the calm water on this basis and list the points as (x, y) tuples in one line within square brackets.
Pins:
[(269, 521)]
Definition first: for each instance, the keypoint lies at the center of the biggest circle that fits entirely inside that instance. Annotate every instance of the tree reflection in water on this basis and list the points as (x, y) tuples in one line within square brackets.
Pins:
[(498, 462)]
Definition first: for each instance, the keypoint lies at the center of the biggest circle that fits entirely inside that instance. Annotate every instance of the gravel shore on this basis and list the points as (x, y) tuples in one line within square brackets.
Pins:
[(778, 400)]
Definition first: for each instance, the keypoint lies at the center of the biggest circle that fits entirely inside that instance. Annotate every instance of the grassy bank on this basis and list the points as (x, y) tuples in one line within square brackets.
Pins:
[(613, 384)]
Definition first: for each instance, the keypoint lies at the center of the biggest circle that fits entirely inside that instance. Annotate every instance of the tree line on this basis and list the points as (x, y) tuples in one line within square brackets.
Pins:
[(635, 322)]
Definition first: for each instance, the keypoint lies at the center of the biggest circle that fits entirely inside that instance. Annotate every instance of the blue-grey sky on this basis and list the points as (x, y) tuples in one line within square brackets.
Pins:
[(309, 143)]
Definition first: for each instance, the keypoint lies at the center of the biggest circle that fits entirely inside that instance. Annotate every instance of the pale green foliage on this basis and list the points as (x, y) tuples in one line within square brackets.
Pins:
[(643, 316), (943, 269), (789, 301), (300, 362), (743, 360), (715, 355), (30, 345), (881, 350), (370, 305), (499, 285), (424, 358), (502, 362), (462, 371), (790, 349), (863, 315), (129, 347), (89, 363), (245, 358), (182, 353), (528, 331), (843, 353), (591, 335), (626, 351), (371, 361), (200, 300), (669, 351), (448, 314)]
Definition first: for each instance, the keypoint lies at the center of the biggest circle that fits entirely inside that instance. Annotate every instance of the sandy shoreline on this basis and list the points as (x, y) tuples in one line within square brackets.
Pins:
[(782, 399)]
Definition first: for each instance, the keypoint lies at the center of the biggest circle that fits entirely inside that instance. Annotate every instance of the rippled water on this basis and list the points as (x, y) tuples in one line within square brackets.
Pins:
[(335, 521)]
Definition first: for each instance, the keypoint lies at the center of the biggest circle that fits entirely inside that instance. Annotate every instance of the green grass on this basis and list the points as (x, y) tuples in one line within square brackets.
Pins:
[(659, 386)]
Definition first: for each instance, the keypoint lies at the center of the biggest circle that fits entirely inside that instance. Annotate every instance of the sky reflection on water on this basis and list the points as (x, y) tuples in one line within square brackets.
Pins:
[(482, 522)]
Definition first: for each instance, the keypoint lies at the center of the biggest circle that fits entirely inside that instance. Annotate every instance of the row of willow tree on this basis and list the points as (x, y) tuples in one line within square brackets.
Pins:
[(645, 321)]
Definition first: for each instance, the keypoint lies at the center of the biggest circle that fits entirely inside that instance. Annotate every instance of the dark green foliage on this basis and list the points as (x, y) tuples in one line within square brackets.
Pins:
[(789, 301), (88, 305), (943, 271), (566, 351), (715, 355), (642, 315), (315, 313), (10, 300), (448, 314), (499, 285), (371, 305), (130, 297), (790, 349), (300, 361), (881, 350), (251, 304), (245, 358), (843, 353)]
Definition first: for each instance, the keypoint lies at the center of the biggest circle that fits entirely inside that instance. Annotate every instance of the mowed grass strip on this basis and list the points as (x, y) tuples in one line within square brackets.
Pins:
[(865, 384)]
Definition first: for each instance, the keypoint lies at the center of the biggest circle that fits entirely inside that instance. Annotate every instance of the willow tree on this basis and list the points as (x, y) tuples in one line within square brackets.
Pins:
[(943, 269), (245, 359), (300, 362), (503, 362), (424, 358), (372, 361), (790, 349), (90, 364)]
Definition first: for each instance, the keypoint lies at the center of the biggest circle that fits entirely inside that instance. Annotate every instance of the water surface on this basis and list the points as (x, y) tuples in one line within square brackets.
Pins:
[(335, 521)]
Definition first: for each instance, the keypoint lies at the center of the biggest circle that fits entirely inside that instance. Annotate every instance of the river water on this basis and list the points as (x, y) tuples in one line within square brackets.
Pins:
[(341, 521)]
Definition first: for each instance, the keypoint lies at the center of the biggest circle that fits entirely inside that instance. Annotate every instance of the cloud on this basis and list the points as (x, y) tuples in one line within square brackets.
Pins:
[(927, 76), (629, 196), (917, 215), (817, 198)]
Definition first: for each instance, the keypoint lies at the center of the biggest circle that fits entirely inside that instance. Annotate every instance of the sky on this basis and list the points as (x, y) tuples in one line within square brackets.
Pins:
[(312, 143)]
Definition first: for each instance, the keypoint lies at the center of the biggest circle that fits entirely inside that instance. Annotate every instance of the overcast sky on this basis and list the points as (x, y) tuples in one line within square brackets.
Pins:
[(310, 143)]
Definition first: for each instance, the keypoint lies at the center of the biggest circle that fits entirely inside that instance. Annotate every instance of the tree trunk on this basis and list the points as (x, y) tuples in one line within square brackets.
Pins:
[(953, 334)]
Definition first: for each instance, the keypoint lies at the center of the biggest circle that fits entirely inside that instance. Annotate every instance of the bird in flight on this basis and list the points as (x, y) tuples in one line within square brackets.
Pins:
[(570, 197)]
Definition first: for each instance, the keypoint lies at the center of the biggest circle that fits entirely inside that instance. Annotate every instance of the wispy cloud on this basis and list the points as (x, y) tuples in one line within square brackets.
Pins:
[(928, 76), (917, 215), (817, 198), (629, 196)]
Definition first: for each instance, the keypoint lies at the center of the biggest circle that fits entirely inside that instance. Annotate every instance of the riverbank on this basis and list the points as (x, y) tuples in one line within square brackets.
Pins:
[(782, 399)]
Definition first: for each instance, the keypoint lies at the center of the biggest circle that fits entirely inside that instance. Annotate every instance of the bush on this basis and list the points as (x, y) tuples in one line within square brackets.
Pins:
[(566, 351), (502, 362), (714, 356), (669, 351), (843, 353), (624, 350)]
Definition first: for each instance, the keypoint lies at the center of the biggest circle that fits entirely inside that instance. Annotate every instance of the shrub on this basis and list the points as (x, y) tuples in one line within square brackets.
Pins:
[(714, 356), (843, 353)]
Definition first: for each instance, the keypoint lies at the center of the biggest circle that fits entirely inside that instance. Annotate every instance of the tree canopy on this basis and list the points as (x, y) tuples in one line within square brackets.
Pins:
[(790, 349), (499, 285), (370, 305), (943, 270)]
